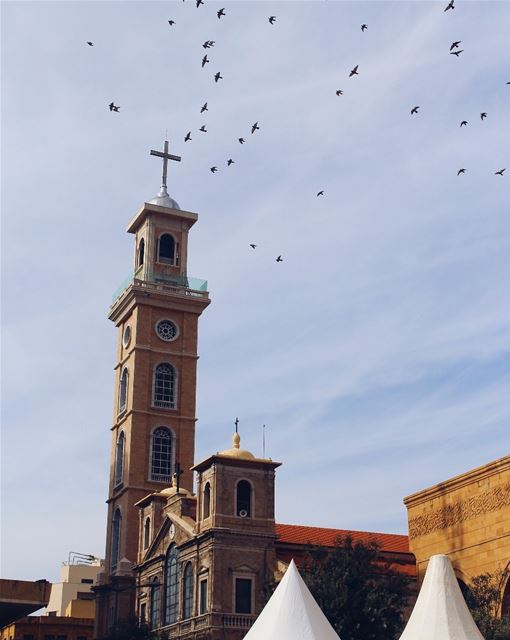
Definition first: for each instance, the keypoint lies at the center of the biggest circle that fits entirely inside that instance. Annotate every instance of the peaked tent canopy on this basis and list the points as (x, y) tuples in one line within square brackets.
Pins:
[(440, 612), (291, 613)]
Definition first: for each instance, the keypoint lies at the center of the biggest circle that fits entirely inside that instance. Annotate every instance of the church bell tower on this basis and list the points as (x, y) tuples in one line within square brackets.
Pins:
[(153, 434)]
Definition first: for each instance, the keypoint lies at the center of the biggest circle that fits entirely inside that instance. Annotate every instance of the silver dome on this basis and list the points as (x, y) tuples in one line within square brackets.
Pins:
[(164, 200)]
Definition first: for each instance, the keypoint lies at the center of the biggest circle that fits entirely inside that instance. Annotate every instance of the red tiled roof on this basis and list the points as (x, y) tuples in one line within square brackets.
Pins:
[(298, 534)]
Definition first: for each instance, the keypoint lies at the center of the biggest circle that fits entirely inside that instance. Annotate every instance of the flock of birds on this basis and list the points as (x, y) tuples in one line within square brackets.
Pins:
[(209, 44)]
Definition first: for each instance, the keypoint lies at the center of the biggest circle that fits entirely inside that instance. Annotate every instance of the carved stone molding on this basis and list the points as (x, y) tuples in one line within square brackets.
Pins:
[(457, 512)]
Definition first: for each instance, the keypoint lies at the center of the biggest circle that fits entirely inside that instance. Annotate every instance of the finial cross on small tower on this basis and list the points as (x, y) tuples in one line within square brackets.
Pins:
[(177, 475), (166, 157), (236, 423)]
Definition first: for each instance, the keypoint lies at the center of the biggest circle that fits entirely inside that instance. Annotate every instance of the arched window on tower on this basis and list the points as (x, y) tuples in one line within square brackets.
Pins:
[(164, 386), (161, 455), (141, 253), (166, 249), (115, 547), (155, 604), (207, 500), (123, 390), (119, 458), (243, 499), (171, 585), (187, 592), (146, 533)]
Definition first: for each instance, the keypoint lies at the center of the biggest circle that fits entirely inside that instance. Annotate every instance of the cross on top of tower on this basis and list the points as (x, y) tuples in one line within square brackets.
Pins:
[(236, 423), (163, 199)]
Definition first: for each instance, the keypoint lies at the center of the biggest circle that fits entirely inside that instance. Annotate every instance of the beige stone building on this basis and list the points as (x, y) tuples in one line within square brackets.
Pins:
[(73, 596), (467, 518)]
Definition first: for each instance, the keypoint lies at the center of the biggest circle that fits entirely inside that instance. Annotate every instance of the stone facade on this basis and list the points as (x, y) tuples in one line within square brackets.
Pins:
[(467, 518)]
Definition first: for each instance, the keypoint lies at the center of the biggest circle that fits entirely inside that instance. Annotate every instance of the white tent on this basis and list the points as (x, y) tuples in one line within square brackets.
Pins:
[(440, 612), (291, 613)]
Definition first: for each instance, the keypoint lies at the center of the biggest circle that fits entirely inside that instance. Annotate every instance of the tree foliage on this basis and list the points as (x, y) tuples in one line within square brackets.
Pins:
[(484, 599), (361, 596)]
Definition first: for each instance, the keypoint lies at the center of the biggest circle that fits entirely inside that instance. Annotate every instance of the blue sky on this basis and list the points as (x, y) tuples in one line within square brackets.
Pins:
[(377, 352)]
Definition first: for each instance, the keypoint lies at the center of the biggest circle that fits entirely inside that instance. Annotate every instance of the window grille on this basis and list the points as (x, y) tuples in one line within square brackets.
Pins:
[(187, 609), (161, 456), (164, 386), (171, 586), (155, 604)]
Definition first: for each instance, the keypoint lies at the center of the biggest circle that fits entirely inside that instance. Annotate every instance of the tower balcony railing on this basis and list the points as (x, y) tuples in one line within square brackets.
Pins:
[(183, 285), (208, 620)]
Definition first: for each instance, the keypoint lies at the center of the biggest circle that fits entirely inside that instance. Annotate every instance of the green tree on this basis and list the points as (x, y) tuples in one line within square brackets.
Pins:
[(361, 596), (483, 597)]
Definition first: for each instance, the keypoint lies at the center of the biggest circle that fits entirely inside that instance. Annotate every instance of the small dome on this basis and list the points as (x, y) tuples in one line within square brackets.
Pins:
[(164, 200), (236, 451), (171, 491)]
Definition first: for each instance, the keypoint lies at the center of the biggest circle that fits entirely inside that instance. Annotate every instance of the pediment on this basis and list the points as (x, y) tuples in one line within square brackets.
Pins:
[(172, 530)]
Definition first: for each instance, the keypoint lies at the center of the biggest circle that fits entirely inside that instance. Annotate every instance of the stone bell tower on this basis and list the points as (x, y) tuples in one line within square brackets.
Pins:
[(153, 434)]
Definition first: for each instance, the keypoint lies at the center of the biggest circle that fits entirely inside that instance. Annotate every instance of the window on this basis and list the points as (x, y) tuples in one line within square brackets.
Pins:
[(146, 533), (243, 501), (203, 596), (116, 527), (207, 500), (87, 581), (166, 252), (243, 588), (141, 253), (164, 386), (119, 458), (161, 455), (143, 613), (155, 604), (187, 592), (171, 585), (123, 391)]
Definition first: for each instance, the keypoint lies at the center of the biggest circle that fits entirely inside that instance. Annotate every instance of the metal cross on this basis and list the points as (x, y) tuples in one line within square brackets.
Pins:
[(166, 157), (236, 423), (177, 475)]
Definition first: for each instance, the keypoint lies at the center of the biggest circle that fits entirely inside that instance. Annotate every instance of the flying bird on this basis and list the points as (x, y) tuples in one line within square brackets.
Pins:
[(188, 136), (456, 53), (461, 171), (214, 169), (229, 162), (208, 44), (205, 60), (220, 13), (455, 45), (463, 123), (171, 22), (415, 110), (279, 259), (217, 77), (500, 172), (204, 108), (272, 19), (114, 107), (339, 92), (254, 127), (321, 193), (202, 128), (91, 44), (450, 5), (483, 115), (364, 27), (241, 140), (354, 71), (199, 2), (253, 246)]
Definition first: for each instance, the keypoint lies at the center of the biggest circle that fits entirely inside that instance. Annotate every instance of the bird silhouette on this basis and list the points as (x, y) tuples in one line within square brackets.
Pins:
[(500, 172), (415, 109), (220, 13), (199, 2), (217, 77), (253, 246), (204, 108), (114, 107), (241, 140), (171, 22), (456, 53), (461, 171), (272, 19), (339, 92), (321, 193), (364, 27), (214, 169), (208, 44), (188, 136), (91, 44), (450, 5), (483, 115), (464, 123), (205, 60), (255, 127), (455, 44), (354, 72), (203, 129), (229, 162), (279, 259)]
